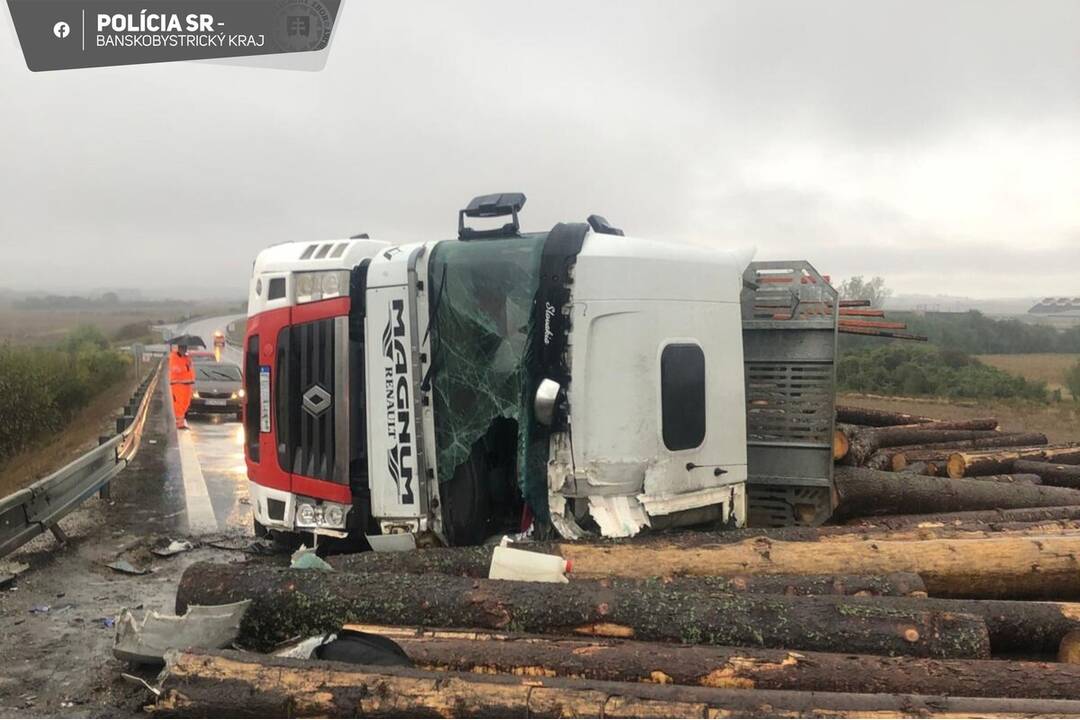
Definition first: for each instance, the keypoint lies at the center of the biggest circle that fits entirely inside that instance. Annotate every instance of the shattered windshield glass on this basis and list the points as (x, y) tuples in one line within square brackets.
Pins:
[(482, 295)]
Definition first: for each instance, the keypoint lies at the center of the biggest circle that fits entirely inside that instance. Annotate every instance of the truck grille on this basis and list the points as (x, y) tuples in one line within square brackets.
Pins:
[(305, 400)]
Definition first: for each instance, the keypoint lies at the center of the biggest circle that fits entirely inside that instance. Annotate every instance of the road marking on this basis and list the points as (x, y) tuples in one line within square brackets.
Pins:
[(200, 511)]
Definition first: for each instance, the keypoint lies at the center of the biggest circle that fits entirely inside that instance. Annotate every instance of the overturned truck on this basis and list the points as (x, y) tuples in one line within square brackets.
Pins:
[(576, 381)]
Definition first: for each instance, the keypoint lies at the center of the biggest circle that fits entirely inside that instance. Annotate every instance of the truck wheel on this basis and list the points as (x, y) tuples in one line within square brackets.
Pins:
[(465, 501)]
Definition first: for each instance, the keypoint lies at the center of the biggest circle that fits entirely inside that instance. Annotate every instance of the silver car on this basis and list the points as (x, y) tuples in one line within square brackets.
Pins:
[(218, 389)]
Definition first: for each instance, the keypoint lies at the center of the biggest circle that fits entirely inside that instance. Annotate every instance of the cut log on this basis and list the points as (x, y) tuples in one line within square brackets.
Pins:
[(863, 492), (475, 562), (226, 683), (876, 418), (1010, 567), (730, 667), (1069, 649), (963, 464), (971, 519), (865, 442), (842, 435), (288, 603), (1051, 473), (940, 452)]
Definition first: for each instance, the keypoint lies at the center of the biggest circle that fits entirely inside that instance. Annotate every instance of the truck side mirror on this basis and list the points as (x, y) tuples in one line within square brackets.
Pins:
[(547, 396)]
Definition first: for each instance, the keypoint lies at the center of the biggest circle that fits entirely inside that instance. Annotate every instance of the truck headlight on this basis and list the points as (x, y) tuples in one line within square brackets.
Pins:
[(312, 514), (321, 284)]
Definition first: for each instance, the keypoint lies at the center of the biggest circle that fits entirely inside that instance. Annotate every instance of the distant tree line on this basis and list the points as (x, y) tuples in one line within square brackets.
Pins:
[(906, 368)]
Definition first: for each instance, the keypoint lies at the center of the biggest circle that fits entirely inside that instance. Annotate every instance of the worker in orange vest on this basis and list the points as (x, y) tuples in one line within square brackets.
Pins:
[(182, 383)]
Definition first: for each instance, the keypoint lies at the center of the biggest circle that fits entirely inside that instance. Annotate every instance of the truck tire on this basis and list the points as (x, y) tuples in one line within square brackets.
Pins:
[(465, 500)]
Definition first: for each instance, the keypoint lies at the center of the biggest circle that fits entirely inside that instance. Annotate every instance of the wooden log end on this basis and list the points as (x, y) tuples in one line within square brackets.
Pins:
[(841, 446), (1069, 650), (956, 465), (899, 462)]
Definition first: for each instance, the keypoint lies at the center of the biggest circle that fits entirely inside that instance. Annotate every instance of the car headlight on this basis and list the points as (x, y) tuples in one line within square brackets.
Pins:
[(234, 396), (241, 392), (196, 395), (320, 285)]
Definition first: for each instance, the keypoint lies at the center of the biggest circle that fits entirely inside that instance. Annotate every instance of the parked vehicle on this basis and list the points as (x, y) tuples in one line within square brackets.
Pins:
[(575, 380), (218, 389)]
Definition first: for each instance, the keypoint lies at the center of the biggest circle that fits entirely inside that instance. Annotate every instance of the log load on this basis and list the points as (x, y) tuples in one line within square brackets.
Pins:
[(1015, 567), (227, 683), (866, 441), (287, 603), (870, 417), (896, 458), (863, 492), (476, 561), (962, 464), (984, 519), (710, 666), (1051, 473)]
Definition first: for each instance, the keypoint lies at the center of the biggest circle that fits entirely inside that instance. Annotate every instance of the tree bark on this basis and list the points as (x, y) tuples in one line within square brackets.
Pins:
[(863, 492), (867, 441), (876, 418), (1051, 474), (288, 603), (963, 464), (1018, 567), (225, 683), (898, 457), (970, 519), (732, 667), (475, 562)]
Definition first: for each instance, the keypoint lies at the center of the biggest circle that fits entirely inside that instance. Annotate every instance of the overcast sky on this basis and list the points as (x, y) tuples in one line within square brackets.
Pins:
[(934, 143)]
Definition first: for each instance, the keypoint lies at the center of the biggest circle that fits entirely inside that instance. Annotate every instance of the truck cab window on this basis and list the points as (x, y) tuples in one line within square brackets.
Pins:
[(682, 395)]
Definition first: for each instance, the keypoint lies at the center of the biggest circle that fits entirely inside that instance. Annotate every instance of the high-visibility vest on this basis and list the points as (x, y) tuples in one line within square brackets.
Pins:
[(181, 371)]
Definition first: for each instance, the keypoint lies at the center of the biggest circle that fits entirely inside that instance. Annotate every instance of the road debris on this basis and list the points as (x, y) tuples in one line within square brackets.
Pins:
[(146, 641), (175, 547), (306, 559), (127, 568)]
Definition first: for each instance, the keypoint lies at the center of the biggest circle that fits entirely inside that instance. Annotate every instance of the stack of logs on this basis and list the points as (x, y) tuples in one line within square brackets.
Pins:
[(952, 588)]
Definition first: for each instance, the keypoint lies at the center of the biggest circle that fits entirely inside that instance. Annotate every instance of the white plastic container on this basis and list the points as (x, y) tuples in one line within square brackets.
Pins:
[(512, 564)]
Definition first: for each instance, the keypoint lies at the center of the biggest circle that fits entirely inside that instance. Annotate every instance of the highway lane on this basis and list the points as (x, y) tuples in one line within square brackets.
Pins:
[(218, 444)]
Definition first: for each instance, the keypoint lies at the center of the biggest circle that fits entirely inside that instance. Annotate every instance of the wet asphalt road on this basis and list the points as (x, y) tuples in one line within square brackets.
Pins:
[(219, 445)]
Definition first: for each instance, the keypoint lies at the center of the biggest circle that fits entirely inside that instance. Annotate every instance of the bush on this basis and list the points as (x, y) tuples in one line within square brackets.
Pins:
[(42, 388), (1072, 380), (907, 369)]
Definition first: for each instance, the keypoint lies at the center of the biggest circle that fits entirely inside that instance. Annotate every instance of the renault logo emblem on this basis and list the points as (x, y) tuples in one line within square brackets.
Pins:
[(316, 400)]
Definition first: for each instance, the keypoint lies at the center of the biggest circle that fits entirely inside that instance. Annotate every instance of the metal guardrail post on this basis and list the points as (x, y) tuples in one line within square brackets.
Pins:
[(105, 492)]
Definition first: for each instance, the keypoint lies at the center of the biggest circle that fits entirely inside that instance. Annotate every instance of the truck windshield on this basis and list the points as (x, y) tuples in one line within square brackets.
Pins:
[(481, 338)]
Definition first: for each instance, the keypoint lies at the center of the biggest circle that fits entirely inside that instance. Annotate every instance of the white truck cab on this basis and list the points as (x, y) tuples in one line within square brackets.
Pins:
[(575, 381)]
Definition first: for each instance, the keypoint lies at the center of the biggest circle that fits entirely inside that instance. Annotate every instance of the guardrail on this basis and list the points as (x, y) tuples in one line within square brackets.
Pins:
[(33, 510)]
